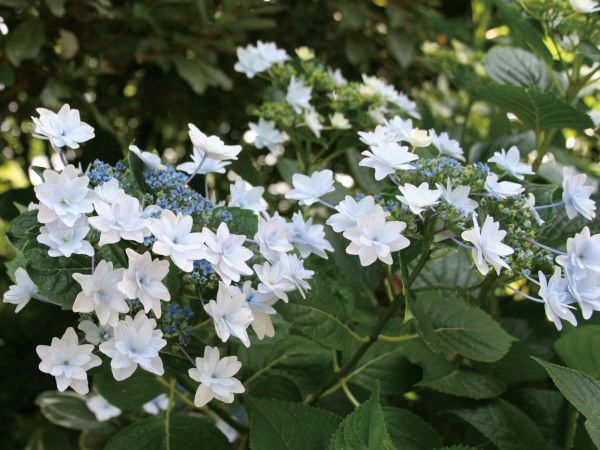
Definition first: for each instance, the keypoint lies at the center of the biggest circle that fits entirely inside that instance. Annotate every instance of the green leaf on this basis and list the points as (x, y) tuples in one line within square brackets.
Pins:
[(509, 65), (23, 227), (465, 383), (593, 431), (243, 221), (25, 41), (287, 168), (67, 409), (579, 349), (54, 275), (7, 75), (522, 30), (409, 431), (451, 322), (504, 425), (581, 390), (200, 75), (453, 269), (129, 394), (540, 111), (320, 316), (183, 432), (137, 167), (279, 425), (365, 428), (49, 438)]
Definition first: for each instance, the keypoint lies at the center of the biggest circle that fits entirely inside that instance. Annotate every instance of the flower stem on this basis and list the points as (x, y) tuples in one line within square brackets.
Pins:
[(324, 203), (529, 297), (545, 247), (461, 244), (571, 428), (172, 388), (551, 205), (43, 299), (198, 167)]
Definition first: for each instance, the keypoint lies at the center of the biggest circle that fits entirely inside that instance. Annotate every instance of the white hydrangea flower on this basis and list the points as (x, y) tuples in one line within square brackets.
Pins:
[(267, 135), (22, 291), (245, 196), (212, 146), (387, 158), (502, 189), (273, 236), (143, 280), (68, 362), (398, 129), (313, 122), (298, 95), (95, 334), (585, 6), (308, 190), (136, 342), (149, 159), (63, 196), (65, 240), (122, 219), (271, 53), (556, 298), (294, 272), (337, 77), (407, 105), (375, 238), (101, 408), (446, 146), (226, 253), (583, 254), (585, 291), (418, 199), (307, 237), (458, 197), (174, 238), (250, 61), (488, 246), (62, 129), (348, 210), (576, 195), (100, 294), (274, 279), (261, 306), (156, 405), (230, 313), (215, 376), (418, 138), (202, 165), (380, 136), (108, 192), (510, 162)]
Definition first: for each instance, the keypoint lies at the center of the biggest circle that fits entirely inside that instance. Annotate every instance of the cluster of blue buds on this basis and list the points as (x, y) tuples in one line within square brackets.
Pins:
[(175, 322), (202, 274)]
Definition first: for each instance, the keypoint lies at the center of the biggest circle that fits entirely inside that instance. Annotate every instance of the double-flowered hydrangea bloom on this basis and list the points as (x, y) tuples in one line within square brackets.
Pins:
[(151, 259)]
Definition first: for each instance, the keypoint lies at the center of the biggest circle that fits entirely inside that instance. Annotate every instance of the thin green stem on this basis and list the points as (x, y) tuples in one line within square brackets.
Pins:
[(404, 338), (172, 388), (571, 428)]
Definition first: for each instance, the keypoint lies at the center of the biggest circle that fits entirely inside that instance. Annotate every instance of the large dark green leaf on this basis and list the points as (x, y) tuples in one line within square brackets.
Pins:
[(409, 431), (182, 432), (450, 322), (579, 348), (465, 383), (540, 111), (129, 394), (279, 425), (365, 428), (509, 65), (504, 425)]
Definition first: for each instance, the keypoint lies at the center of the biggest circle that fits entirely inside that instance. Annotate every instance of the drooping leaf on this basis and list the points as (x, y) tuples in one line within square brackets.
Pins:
[(449, 321), (200, 75), (137, 167), (510, 65), (365, 428), (540, 111), (579, 349), (581, 390), (504, 425), (67, 409), (279, 425), (182, 432), (409, 431), (453, 269)]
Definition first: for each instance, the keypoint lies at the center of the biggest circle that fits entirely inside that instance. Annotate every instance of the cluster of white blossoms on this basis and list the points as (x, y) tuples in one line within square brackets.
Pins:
[(122, 306), (375, 235)]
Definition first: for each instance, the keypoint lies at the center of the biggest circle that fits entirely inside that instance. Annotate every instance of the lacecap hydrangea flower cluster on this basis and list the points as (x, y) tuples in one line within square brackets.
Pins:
[(161, 260)]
